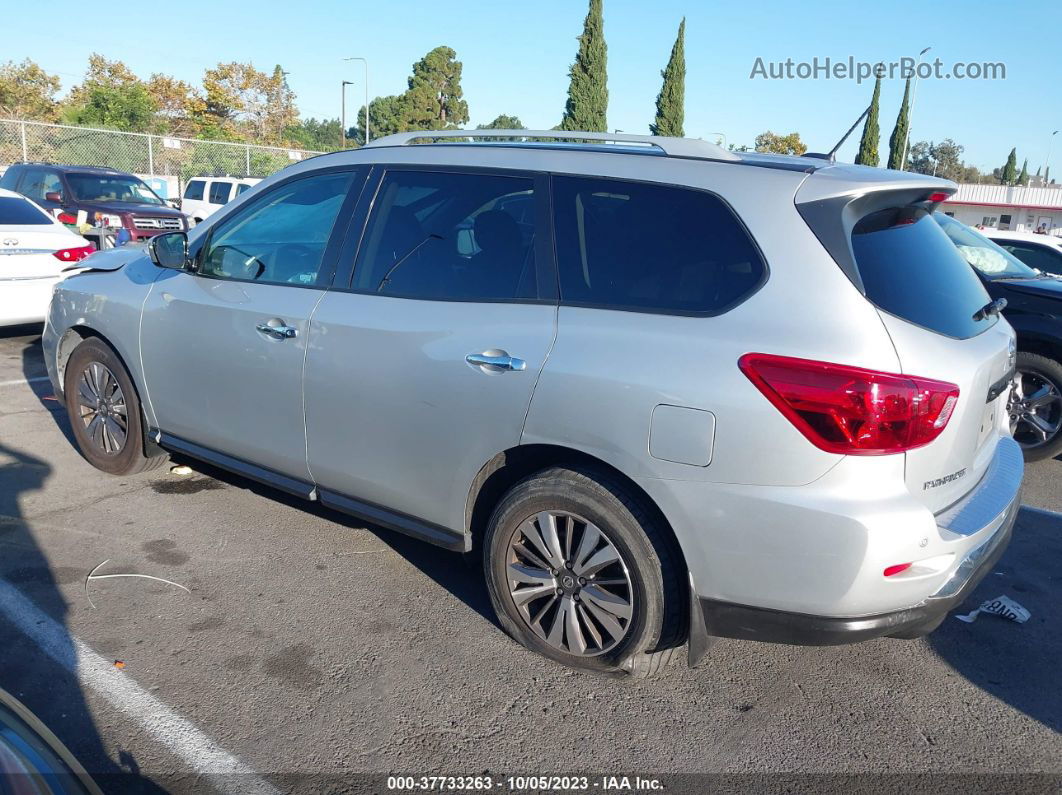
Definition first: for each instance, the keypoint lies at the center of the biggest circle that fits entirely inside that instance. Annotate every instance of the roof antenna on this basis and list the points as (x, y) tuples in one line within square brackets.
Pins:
[(832, 154)]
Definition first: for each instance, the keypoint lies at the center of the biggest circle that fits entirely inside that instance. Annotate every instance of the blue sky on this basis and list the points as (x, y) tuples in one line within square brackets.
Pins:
[(516, 56)]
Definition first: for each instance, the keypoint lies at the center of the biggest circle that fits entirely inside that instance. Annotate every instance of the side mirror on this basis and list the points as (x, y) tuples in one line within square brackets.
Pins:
[(53, 196), (169, 250)]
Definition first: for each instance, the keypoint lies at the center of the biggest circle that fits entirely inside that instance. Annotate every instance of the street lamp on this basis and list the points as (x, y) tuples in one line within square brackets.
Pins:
[(910, 111), (366, 64), (1047, 163), (343, 114)]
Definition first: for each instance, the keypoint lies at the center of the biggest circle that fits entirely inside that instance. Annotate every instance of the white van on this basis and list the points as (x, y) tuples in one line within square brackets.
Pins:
[(203, 195)]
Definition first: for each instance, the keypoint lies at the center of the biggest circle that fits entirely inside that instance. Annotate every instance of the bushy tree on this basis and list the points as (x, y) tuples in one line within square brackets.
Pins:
[(242, 102), (587, 106), (671, 101), (868, 144), (110, 96), (179, 106), (386, 116), (502, 122), (780, 144), (942, 160), (27, 92), (899, 133), (435, 100), (319, 135)]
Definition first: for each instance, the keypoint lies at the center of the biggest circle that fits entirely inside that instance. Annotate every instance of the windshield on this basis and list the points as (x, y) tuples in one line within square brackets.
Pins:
[(91, 188), (991, 260)]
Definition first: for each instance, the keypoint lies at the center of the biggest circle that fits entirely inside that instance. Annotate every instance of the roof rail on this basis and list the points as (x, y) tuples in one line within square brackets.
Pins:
[(672, 147)]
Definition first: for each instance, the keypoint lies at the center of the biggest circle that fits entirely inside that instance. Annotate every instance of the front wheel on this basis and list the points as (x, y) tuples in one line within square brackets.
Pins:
[(104, 410), (1035, 406), (578, 571)]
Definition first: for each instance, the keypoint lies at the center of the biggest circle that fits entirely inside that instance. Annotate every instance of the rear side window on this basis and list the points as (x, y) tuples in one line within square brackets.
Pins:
[(194, 190), (219, 192), (912, 270), (650, 248), (20, 212)]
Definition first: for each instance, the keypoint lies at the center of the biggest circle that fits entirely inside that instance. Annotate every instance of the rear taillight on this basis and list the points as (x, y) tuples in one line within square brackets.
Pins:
[(850, 410), (73, 254), (67, 218)]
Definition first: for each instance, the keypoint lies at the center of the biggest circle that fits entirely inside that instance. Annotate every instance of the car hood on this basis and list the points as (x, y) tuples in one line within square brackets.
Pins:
[(158, 210), (109, 260), (1047, 287)]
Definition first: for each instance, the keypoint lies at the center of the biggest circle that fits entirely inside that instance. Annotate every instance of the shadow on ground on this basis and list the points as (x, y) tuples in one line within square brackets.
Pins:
[(1016, 663)]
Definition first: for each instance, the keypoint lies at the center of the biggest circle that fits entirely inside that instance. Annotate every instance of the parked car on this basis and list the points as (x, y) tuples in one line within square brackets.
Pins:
[(204, 195), (1034, 309), (108, 196), (713, 393), (34, 250), (1042, 252)]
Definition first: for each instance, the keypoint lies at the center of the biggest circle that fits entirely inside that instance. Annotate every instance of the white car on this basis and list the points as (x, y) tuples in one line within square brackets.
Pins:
[(204, 195), (1043, 252), (34, 250)]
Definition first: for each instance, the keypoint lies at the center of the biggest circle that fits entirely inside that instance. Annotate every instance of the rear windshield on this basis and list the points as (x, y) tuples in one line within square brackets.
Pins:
[(911, 269), (21, 212)]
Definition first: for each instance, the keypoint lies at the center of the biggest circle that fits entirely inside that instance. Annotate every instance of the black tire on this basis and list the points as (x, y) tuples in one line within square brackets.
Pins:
[(657, 579), (126, 458), (1050, 371)]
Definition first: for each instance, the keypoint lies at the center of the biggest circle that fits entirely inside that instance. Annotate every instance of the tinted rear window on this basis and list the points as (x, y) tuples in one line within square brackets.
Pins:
[(20, 211), (652, 248), (912, 270)]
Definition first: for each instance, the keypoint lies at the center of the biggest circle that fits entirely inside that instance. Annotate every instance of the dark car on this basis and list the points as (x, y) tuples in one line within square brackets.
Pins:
[(108, 195), (1034, 309)]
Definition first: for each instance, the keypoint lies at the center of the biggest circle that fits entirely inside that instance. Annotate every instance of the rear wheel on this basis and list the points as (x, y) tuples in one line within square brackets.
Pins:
[(1035, 406), (579, 572), (104, 410)]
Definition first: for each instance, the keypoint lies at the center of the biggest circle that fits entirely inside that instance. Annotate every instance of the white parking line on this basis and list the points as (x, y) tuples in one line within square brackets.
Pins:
[(199, 752), (24, 380)]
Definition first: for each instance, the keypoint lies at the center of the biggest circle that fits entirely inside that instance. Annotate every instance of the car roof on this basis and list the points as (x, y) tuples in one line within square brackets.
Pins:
[(101, 170), (1008, 234)]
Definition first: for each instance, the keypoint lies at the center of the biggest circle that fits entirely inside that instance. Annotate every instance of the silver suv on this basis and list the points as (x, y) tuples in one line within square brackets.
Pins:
[(668, 392)]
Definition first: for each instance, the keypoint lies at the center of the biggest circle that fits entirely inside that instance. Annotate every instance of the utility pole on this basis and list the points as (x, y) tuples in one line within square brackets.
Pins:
[(365, 63)]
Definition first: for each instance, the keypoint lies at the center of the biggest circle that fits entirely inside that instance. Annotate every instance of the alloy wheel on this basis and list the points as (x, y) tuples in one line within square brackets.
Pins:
[(102, 408), (1035, 409), (569, 583)]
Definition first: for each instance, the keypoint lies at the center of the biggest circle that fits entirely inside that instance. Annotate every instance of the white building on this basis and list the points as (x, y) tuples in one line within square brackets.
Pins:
[(1008, 207)]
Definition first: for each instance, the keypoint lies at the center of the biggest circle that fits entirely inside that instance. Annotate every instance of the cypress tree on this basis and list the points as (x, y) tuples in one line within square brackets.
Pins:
[(898, 139), (868, 144), (587, 105), (1023, 177), (1010, 170), (671, 101)]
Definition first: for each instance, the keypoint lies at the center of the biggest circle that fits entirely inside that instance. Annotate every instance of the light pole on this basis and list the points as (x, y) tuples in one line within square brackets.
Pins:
[(1047, 163), (343, 114), (366, 64), (910, 110)]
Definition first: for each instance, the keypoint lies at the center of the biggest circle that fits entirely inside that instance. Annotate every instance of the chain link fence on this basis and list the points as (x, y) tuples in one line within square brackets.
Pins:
[(168, 162)]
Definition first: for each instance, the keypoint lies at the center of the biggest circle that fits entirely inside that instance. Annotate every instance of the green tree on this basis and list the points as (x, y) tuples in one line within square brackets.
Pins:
[(587, 106), (868, 144), (243, 103), (179, 106), (387, 115), (671, 101), (898, 139), (434, 99), (1023, 177), (27, 91), (110, 96), (1010, 170), (318, 135), (502, 122), (780, 144)]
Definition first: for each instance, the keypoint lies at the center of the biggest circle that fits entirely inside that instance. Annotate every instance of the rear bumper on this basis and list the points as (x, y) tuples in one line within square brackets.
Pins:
[(744, 622), (25, 300)]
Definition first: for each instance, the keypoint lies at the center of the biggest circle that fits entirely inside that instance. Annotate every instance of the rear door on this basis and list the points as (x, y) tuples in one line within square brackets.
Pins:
[(930, 301), (423, 369)]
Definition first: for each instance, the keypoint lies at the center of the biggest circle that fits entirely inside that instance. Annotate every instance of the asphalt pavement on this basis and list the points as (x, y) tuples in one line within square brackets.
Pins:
[(286, 648)]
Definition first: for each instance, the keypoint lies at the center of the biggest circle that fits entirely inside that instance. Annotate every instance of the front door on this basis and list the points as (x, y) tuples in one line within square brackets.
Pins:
[(424, 370), (223, 346)]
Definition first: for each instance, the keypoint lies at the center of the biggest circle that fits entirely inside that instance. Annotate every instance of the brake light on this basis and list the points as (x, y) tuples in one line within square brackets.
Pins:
[(850, 410), (899, 567), (938, 196), (73, 254), (66, 218)]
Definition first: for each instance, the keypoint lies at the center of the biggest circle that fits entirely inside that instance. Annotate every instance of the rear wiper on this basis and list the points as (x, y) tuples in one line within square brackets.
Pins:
[(991, 308)]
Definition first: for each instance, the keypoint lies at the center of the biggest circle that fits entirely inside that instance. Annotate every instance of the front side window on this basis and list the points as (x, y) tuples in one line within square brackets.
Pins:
[(447, 236), (194, 191), (652, 248), (117, 188), (219, 192), (281, 237)]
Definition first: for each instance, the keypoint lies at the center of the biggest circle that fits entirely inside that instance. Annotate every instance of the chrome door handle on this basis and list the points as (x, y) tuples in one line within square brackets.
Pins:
[(278, 331), (500, 361)]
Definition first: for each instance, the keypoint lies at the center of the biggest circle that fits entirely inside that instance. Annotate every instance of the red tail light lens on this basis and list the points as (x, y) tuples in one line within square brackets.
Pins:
[(938, 197), (850, 410), (73, 254), (897, 569), (66, 218)]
